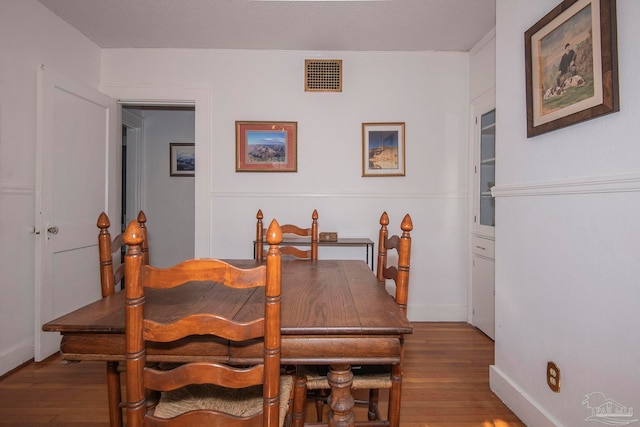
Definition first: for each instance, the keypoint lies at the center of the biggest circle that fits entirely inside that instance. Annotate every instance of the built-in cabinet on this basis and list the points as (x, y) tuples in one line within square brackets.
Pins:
[(483, 285), (484, 218)]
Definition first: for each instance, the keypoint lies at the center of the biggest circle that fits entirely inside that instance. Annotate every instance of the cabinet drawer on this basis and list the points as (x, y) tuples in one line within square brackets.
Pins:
[(482, 246)]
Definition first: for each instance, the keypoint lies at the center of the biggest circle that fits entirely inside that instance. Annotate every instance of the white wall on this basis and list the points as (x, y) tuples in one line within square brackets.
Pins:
[(30, 35), (168, 201), (568, 241), (428, 91)]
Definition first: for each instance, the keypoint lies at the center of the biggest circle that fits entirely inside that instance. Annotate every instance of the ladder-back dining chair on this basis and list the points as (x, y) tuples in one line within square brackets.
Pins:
[(204, 393), (290, 229), (109, 279), (372, 378)]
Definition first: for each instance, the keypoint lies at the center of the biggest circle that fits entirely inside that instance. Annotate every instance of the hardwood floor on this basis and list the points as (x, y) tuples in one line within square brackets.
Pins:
[(446, 379), (446, 384)]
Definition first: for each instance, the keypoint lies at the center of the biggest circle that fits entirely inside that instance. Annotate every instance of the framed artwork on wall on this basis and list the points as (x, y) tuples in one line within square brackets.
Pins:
[(266, 146), (383, 149), (182, 159), (571, 61)]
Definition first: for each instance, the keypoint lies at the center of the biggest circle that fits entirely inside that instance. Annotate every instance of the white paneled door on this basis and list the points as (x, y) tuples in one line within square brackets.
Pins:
[(77, 137)]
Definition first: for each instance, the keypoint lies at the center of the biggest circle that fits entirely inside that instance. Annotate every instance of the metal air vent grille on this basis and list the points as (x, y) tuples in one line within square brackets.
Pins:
[(323, 75)]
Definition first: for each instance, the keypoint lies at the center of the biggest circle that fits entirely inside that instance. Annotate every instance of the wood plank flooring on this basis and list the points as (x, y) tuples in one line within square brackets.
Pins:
[(446, 384)]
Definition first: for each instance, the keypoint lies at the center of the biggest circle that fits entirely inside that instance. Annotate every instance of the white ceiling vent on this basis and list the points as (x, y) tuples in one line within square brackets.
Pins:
[(323, 75)]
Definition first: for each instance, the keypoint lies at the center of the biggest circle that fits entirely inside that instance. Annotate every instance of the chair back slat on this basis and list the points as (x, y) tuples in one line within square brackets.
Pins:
[(203, 270), (201, 324), (204, 373)]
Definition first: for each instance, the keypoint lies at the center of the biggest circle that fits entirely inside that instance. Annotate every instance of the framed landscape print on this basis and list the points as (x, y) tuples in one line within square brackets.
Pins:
[(182, 159), (266, 146), (383, 149), (571, 64)]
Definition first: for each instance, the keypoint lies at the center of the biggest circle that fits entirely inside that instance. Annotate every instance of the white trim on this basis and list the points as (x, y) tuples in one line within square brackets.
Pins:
[(17, 189), (269, 195), (528, 410), (483, 42), (437, 312), (15, 356), (604, 184), (135, 137), (200, 97)]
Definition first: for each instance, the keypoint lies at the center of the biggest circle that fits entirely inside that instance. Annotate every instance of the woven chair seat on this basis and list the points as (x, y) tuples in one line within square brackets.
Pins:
[(364, 378), (244, 402)]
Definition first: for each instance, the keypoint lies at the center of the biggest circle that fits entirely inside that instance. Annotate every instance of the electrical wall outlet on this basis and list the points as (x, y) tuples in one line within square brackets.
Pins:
[(553, 377)]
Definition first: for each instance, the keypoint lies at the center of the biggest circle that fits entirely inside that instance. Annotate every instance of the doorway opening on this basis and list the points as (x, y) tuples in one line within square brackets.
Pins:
[(167, 201)]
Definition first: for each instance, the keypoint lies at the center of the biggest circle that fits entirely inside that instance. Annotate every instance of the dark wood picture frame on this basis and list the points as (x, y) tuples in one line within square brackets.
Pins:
[(586, 31), (266, 146), (182, 159)]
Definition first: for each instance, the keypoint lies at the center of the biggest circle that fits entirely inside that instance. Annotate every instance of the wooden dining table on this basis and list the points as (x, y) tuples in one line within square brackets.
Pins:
[(333, 312)]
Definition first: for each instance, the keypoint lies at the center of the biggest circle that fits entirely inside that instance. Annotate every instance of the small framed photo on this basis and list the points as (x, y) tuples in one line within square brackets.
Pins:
[(571, 61), (266, 146), (383, 149), (182, 159)]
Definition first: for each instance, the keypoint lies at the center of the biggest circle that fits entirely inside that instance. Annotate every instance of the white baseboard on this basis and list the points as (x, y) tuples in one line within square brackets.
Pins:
[(520, 403), (15, 356), (437, 312)]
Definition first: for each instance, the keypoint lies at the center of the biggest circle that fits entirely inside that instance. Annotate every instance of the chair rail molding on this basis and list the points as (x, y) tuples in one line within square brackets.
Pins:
[(338, 195), (17, 189), (590, 185)]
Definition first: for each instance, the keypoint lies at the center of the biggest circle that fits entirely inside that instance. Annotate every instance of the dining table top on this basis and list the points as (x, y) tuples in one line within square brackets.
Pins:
[(332, 311)]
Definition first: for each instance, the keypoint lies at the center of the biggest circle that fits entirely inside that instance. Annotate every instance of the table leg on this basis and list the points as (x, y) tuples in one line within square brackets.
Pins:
[(340, 401), (113, 390)]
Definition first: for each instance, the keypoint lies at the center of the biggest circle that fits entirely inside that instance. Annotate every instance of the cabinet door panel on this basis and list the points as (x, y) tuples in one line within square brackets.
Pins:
[(483, 295)]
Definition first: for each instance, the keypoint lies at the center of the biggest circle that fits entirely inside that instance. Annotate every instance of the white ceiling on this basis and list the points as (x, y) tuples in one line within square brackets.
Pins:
[(329, 25)]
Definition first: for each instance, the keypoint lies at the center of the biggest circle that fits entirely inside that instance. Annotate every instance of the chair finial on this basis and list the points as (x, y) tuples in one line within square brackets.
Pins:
[(103, 221), (407, 224), (314, 215), (142, 217), (259, 214), (274, 234), (133, 233), (384, 218)]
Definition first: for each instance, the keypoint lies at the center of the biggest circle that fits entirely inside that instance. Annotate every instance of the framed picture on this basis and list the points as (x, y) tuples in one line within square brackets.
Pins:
[(383, 149), (182, 159), (266, 146), (571, 59)]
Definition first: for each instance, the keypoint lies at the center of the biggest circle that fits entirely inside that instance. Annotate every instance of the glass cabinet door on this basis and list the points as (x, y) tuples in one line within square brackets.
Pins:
[(487, 169)]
